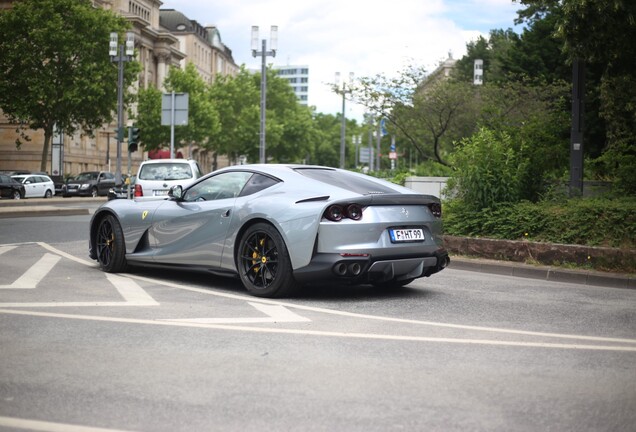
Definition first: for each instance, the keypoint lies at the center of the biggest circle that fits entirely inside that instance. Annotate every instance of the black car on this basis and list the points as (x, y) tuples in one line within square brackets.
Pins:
[(10, 188), (89, 183)]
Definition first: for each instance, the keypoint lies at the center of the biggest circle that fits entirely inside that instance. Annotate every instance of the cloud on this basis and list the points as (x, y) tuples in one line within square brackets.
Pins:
[(366, 37)]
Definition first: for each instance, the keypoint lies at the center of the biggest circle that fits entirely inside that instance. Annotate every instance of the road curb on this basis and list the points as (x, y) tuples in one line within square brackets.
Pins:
[(554, 274)]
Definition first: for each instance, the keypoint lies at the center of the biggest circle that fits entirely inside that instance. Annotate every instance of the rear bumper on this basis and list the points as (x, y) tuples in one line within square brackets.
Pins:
[(360, 270)]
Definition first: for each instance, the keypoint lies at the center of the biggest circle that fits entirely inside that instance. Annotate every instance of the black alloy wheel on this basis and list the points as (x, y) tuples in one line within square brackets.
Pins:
[(263, 262), (109, 244)]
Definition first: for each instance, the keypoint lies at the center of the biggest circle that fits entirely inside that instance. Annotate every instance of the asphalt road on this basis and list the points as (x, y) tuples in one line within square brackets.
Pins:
[(170, 350)]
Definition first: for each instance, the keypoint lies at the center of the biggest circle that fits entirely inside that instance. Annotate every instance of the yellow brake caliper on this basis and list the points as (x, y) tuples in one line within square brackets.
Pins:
[(256, 256)]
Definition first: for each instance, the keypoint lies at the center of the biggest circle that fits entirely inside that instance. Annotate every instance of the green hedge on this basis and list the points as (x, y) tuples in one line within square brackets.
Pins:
[(591, 222)]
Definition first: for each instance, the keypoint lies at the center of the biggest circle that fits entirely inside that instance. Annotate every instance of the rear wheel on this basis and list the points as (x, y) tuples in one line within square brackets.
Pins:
[(263, 262), (110, 247), (48, 193)]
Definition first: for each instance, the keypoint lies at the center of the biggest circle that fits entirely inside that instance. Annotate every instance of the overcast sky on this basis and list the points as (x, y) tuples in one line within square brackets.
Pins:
[(366, 37)]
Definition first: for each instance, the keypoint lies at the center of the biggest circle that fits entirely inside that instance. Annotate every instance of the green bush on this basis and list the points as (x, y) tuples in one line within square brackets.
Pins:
[(488, 170), (592, 221)]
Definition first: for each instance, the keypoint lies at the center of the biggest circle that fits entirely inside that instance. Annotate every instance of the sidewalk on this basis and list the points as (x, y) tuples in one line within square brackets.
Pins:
[(73, 206)]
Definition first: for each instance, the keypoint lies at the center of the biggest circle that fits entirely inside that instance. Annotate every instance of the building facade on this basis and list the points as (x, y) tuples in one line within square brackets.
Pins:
[(158, 49), (298, 79)]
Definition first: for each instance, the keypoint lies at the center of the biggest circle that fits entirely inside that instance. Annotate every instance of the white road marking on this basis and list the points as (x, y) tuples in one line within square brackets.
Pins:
[(275, 314), (131, 291), (4, 249), (38, 425), (327, 333), (348, 314), (35, 273), (133, 295), (387, 319)]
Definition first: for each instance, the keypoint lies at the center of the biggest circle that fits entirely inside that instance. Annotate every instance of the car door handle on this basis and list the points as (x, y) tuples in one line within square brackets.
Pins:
[(226, 213)]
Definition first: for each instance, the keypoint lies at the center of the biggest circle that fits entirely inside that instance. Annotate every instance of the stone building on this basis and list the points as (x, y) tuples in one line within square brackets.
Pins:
[(158, 48)]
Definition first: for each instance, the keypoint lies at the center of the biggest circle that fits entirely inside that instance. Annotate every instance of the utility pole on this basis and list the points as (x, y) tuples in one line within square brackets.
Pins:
[(264, 53), (120, 54)]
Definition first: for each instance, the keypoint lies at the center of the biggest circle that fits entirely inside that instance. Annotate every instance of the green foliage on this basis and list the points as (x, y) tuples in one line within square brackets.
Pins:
[(153, 135), (592, 222), (203, 117), (488, 170), (55, 66), (237, 101)]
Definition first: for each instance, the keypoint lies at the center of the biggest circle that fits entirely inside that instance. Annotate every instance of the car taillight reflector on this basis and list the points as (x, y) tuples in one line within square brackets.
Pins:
[(139, 192)]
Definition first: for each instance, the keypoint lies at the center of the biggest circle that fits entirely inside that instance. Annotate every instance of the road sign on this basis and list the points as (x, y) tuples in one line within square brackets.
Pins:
[(180, 109)]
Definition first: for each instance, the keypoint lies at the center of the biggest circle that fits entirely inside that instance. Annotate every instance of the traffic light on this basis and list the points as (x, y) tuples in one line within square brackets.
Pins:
[(133, 139)]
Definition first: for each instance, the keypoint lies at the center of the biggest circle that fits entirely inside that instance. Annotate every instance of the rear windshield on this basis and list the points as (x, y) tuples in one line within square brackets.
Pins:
[(345, 180), (166, 171)]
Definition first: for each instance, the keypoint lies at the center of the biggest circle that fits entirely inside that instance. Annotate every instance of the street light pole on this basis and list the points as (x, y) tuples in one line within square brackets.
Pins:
[(264, 53), (343, 120), (117, 55)]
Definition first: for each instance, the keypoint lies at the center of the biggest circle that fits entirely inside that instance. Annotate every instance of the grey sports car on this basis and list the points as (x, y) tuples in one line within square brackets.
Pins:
[(278, 227)]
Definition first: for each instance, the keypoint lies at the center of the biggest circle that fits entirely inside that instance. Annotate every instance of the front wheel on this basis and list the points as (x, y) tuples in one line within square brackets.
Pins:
[(263, 262), (16, 195), (110, 247), (94, 192)]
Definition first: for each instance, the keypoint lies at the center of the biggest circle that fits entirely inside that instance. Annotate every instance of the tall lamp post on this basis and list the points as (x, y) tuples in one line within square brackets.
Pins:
[(273, 43), (344, 91), (120, 54)]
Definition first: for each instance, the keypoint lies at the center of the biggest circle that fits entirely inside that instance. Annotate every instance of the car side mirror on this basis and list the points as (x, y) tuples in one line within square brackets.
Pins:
[(176, 192)]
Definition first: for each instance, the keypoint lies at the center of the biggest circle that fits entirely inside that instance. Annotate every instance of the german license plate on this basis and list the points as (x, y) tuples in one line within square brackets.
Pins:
[(406, 235), (163, 192)]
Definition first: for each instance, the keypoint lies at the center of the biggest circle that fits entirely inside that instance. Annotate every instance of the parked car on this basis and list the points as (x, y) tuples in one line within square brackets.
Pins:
[(278, 226), (156, 176), (36, 185), (89, 183), (11, 188)]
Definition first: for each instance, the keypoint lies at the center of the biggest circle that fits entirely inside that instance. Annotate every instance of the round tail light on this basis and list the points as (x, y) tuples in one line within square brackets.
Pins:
[(334, 213), (354, 211)]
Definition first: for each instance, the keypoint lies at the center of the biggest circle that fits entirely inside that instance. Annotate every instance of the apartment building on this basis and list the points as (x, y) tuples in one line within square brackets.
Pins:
[(298, 79)]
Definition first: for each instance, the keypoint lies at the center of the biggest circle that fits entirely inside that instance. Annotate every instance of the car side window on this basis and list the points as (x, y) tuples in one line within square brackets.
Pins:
[(257, 183), (220, 186)]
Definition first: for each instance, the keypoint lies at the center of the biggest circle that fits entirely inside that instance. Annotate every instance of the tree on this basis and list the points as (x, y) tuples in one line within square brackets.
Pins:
[(288, 123), (55, 68), (236, 99), (601, 33), (395, 100)]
